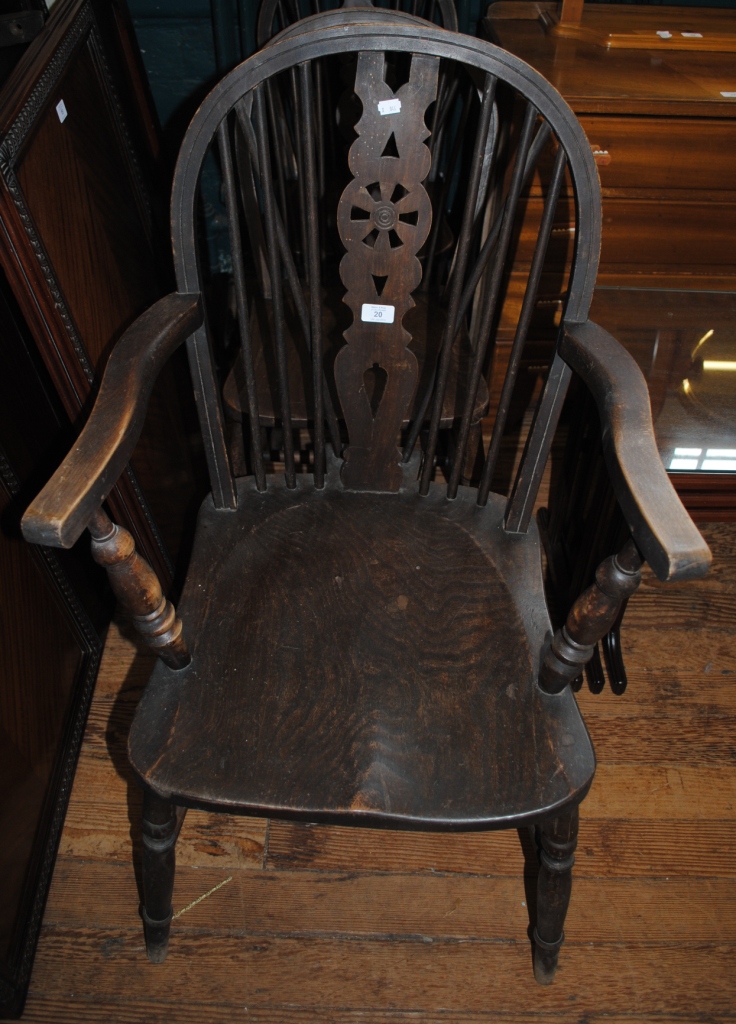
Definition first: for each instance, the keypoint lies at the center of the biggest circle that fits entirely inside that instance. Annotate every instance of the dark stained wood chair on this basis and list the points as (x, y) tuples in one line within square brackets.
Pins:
[(368, 643)]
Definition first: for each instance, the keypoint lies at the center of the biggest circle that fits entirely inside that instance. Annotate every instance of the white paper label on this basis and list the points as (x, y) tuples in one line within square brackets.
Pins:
[(389, 106), (373, 314), (691, 35), (664, 35), (729, 95), (61, 111)]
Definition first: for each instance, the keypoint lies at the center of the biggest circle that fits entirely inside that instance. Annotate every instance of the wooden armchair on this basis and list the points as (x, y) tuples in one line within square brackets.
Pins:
[(368, 643)]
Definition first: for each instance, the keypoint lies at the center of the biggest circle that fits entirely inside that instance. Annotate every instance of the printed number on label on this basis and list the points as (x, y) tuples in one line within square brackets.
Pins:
[(372, 314), (389, 106)]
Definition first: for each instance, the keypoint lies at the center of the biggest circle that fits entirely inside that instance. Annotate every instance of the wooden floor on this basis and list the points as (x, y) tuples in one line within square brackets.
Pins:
[(291, 924)]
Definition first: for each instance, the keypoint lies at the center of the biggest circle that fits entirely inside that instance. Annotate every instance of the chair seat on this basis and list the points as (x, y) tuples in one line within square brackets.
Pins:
[(365, 658), (425, 322)]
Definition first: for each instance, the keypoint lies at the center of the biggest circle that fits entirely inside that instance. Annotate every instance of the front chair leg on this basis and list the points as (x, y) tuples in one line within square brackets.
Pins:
[(161, 824), (559, 838)]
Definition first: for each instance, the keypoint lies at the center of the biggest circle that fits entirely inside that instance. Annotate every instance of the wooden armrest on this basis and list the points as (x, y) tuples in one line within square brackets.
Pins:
[(664, 532), (60, 513)]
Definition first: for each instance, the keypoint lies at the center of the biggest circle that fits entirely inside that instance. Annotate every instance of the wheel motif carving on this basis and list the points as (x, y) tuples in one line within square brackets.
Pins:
[(384, 218)]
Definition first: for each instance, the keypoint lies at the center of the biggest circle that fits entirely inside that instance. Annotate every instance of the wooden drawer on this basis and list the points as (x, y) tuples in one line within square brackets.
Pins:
[(642, 231), (663, 153), (668, 233)]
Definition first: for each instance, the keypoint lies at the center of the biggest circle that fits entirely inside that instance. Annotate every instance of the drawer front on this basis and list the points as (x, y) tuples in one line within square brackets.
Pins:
[(663, 153), (642, 231), (667, 233)]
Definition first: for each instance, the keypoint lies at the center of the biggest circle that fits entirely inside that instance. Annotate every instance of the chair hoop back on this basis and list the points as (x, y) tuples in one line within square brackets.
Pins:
[(387, 189)]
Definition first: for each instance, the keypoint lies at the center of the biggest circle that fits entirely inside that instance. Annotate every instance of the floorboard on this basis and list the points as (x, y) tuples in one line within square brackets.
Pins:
[(285, 923)]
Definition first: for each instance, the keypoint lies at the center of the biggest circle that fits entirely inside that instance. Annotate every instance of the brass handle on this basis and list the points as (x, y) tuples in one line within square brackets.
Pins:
[(602, 156)]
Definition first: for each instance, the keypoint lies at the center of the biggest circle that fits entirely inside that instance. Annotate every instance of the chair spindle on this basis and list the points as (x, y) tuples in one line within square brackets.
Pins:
[(522, 327), (538, 444), (276, 285), (491, 298), (440, 205), (462, 255), (241, 300), (312, 260)]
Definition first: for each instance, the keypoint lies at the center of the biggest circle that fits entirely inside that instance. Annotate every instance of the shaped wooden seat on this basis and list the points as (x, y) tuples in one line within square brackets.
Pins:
[(368, 642), (393, 648)]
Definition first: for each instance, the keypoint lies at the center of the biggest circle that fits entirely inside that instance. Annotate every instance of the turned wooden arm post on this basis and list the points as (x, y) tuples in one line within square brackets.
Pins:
[(136, 586), (590, 618)]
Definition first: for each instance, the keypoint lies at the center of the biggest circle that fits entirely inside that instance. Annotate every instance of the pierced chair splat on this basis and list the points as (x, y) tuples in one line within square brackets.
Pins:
[(368, 642), (293, 205)]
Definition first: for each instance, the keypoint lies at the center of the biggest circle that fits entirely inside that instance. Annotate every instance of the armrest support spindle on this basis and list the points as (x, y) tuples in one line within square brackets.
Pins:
[(590, 618), (137, 587)]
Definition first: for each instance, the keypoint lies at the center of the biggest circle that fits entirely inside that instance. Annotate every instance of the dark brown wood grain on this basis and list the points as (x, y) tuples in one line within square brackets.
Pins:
[(420, 976), (370, 580), (395, 905), (664, 140), (626, 81)]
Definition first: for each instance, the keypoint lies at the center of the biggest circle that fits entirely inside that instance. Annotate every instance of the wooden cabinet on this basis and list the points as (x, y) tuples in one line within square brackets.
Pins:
[(83, 242), (54, 608), (82, 253), (664, 140), (663, 135)]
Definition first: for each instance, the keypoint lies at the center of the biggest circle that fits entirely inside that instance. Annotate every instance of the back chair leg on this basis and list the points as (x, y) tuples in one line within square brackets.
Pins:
[(162, 821), (559, 838)]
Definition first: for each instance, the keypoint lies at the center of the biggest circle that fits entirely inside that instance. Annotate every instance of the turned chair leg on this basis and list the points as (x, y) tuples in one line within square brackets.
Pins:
[(559, 838), (161, 824), (136, 586)]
